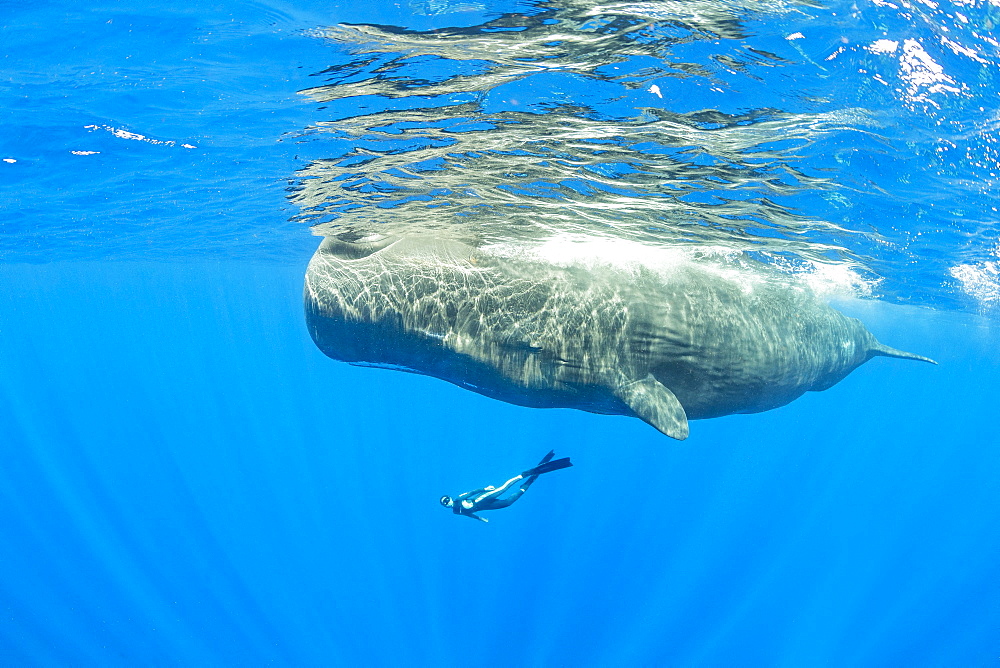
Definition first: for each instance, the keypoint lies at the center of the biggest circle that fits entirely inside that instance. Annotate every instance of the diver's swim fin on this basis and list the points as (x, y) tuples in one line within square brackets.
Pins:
[(548, 466), (532, 478)]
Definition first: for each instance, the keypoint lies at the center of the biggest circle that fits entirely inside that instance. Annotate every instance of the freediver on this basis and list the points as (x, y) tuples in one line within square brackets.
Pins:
[(488, 498)]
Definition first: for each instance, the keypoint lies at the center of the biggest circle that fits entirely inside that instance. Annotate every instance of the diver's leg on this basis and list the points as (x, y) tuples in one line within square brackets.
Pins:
[(527, 483), (530, 479), (495, 493), (496, 504), (503, 503), (504, 487)]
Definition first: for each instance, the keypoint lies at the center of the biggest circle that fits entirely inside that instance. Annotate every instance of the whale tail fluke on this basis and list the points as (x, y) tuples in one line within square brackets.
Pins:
[(885, 351)]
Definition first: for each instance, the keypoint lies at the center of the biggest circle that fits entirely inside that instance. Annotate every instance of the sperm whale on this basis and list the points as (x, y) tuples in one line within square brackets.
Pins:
[(664, 346)]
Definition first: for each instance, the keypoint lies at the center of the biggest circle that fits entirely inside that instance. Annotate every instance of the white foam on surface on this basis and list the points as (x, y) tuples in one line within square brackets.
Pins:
[(134, 136), (980, 280), (581, 250), (630, 257), (836, 281), (827, 280)]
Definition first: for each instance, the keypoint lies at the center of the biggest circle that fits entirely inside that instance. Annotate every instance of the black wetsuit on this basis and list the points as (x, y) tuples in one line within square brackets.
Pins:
[(488, 498)]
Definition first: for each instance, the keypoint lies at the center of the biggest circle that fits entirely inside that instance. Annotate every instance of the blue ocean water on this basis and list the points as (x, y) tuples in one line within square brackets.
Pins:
[(186, 479)]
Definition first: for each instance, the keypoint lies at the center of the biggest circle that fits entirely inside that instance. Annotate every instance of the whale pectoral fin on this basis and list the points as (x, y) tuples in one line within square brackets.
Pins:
[(653, 402)]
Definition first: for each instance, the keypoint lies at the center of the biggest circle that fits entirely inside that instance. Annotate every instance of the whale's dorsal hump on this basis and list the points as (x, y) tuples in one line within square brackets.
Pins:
[(653, 402)]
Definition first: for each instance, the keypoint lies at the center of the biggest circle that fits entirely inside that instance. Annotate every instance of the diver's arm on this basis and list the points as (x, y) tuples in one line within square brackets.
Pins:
[(476, 517)]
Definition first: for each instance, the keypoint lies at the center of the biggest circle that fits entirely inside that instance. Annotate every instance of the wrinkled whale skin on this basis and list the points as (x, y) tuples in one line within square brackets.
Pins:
[(689, 343)]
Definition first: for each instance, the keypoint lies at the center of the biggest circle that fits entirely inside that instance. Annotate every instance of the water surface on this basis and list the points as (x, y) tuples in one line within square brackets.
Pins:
[(186, 479)]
